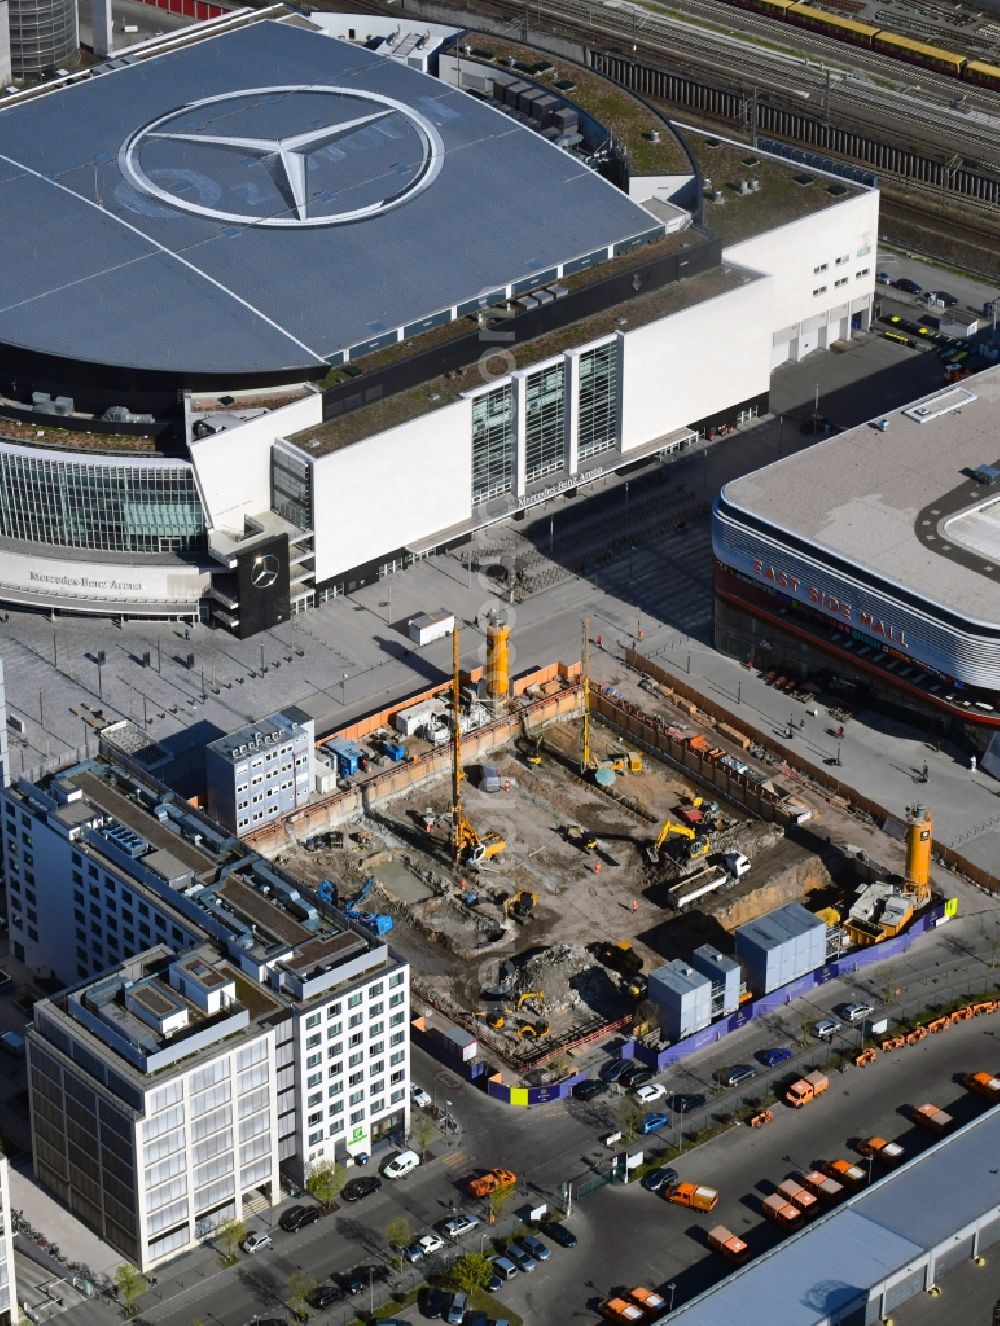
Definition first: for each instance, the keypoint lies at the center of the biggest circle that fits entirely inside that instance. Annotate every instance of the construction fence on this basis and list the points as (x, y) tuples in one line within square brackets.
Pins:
[(734, 727)]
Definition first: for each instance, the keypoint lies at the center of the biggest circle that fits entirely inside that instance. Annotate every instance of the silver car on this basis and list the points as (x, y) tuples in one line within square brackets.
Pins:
[(855, 1012), (826, 1028)]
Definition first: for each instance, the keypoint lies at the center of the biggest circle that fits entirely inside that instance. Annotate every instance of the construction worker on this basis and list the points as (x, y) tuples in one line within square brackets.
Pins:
[(635, 905)]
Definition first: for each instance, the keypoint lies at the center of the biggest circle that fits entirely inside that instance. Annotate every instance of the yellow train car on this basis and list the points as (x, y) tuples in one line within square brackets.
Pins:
[(845, 29), (986, 75), (774, 8), (918, 52)]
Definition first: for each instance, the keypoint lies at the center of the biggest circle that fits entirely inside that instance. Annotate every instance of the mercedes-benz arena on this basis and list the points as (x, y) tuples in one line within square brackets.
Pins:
[(871, 561)]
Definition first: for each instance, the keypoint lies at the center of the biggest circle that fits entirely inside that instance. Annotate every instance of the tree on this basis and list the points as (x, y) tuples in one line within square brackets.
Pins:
[(630, 1117), (399, 1235), (421, 1134), (496, 1202), (471, 1272), (324, 1182), (300, 1285), (229, 1236), (131, 1284)]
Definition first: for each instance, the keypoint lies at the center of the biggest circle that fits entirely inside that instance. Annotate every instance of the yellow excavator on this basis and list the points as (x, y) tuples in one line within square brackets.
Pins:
[(696, 846), (520, 905), (468, 846), (535, 1029)]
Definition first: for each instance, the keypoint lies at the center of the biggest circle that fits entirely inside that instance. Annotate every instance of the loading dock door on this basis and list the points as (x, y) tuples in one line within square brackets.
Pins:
[(903, 1291), (952, 1257)]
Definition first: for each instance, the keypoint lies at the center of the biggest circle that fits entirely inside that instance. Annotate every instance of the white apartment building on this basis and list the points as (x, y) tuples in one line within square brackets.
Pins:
[(163, 935), (262, 772), (9, 1312)]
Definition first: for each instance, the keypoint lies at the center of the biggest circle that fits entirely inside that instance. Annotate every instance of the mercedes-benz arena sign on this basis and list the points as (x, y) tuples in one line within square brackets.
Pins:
[(303, 182)]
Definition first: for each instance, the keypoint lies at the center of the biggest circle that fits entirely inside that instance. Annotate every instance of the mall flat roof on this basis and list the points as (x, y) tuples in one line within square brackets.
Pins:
[(264, 199), (900, 503)]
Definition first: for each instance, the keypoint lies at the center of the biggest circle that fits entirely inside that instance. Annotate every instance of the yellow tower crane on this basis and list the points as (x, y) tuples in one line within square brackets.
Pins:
[(586, 758), (466, 844)]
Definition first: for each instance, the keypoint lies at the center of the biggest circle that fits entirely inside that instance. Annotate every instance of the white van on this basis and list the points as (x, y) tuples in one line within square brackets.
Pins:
[(400, 1165)]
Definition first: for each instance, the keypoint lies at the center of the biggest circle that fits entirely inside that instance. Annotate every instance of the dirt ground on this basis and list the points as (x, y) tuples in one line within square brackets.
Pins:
[(450, 922)]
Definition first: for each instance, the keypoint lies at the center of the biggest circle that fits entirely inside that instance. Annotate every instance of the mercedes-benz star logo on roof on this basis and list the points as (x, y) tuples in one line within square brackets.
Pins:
[(406, 158), (264, 571)]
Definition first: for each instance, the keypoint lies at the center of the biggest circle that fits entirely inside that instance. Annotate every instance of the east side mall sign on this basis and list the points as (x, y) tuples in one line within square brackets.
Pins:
[(836, 607)]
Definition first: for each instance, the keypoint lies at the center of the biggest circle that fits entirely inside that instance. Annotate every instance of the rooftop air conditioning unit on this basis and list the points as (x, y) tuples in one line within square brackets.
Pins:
[(755, 185)]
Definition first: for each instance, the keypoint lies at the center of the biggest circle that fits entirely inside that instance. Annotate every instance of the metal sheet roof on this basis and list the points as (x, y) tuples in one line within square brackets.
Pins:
[(852, 1250), (188, 212)]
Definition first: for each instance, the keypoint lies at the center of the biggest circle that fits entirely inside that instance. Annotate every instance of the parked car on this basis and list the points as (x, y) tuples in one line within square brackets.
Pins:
[(944, 297), (256, 1241), (685, 1102), (613, 1071), (355, 1189), (589, 1088), (558, 1233), (476, 1318), (521, 1257), (433, 1302), (412, 1253), (401, 1164), (420, 1097), (351, 1282), (883, 278), (430, 1243), (457, 1225), (907, 286), (638, 1077), (494, 1284), (650, 1092), (854, 1012), (774, 1056), (738, 1074), (297, 1217), (324, 1296), (653, 1122), (826, 1027), (504, 1268), (539, 1250), (661, 1177), (457, 1304)]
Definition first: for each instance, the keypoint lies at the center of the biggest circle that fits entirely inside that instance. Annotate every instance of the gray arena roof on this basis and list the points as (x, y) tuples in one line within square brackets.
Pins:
[(838, 1261), (900, 503), (261, 200)]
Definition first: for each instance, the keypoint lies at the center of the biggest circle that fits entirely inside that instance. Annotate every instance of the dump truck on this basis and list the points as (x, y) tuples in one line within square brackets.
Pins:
[(805, 1089), (781, 1212), (619, 1309), (844, 1171), (794, 1192), (695, 1195), (890, 1153), (649, 1300), (492, 1181), (983, 1084), (730, 1245), (823, 1186), (933, 1119)]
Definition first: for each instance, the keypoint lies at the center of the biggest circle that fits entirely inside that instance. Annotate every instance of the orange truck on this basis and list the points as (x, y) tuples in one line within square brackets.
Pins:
[(492, 1181), (724, 1241), (890, 1153), (649, 1300), (933, 1119), (793, 1192), (781, 1212), (844, 1171), (983, 1084), (695, 1195), (823, 1186), (621, 1310), (806, 1089)]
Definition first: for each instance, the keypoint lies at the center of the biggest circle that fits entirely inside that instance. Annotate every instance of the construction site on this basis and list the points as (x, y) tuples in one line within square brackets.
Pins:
[(539, 846)]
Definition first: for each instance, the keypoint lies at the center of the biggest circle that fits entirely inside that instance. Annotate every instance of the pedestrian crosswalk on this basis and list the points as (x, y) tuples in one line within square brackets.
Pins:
[(455, 1160)]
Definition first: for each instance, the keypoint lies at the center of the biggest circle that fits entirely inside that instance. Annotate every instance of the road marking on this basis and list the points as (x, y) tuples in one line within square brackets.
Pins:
[(454, 1160)]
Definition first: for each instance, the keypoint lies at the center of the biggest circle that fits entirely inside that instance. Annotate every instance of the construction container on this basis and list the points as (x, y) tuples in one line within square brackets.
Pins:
[(427, 627), (461, 1042), (347, 754), (683, 999), (781, 1212), (781, 946), (394, 750), (793, 1192), (418, 717), (722, 1240)]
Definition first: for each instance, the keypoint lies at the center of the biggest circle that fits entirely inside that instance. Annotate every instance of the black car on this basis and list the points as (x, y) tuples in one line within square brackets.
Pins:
[(298, 1217), (907, 286), (589, 1088), (494, 1284), (738, 1074), (324, 1296), (476, 1318), (433, 1302), (351, 1282), (637, 1078), (943, 297), (685, 1102), (661, 1177), (613, 1071), (561, 1235), (355, 1189)]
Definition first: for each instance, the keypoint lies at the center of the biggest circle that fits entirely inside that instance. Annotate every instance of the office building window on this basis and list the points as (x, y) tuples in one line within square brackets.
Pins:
[(598, 430), (492, 444), (545, 443)]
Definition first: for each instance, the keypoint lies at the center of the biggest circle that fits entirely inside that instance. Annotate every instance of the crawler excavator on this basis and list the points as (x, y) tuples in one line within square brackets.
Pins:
[(695, 846)]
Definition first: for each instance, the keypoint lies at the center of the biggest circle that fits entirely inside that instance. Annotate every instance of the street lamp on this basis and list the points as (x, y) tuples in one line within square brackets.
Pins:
[(670, 1290), (343, 689), (371, 1290)]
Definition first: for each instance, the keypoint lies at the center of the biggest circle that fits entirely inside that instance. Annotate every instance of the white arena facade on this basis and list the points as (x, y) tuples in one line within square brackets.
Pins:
[(273, 276)]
